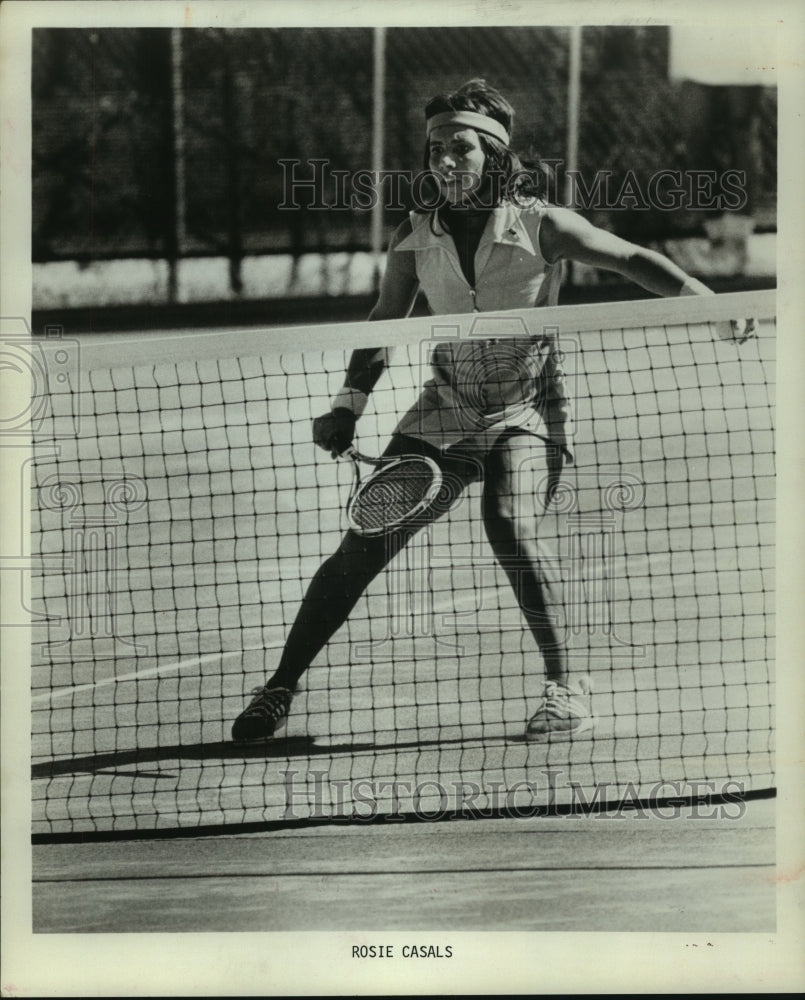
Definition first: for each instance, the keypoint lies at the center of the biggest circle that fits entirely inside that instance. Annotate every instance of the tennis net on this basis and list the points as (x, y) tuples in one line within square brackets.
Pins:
[(180, 509)]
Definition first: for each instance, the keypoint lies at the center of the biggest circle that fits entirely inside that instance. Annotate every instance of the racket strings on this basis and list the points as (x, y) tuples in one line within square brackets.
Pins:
[(394, 494)]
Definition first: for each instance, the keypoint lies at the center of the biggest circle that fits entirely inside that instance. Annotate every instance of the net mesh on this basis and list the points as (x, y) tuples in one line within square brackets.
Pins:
[(180, 510)]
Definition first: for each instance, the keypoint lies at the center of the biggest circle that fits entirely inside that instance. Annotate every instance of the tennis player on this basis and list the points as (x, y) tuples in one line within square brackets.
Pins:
[(496, 412)]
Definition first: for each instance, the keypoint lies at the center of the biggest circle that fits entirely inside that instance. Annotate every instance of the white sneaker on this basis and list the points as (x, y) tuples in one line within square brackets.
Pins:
[(564, 713)]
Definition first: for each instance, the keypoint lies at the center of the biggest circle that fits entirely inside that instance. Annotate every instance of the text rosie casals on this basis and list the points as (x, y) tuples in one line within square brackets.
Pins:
[(407, 951)]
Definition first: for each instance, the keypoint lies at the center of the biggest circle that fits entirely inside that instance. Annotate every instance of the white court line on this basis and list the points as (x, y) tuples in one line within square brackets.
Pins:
[(140, 674)]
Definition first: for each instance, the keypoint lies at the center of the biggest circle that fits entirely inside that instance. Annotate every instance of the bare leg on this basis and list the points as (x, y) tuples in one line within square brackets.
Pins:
[(341, 580), (520, 471), (333, 592)]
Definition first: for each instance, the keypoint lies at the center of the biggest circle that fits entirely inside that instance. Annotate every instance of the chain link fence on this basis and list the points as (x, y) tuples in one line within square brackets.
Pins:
[(102, 144), (143, 147)]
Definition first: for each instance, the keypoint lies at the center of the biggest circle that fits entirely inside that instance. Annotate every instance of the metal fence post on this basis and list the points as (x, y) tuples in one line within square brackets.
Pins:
[(177, 95), (573, 103), (378, 143)]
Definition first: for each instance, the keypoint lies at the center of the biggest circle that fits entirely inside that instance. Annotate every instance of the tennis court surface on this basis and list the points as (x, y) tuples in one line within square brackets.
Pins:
[(705, 870), (180, 509)]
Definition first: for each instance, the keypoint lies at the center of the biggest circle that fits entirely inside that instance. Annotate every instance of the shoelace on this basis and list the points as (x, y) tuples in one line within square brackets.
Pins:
[(271, 703), (556, 698)]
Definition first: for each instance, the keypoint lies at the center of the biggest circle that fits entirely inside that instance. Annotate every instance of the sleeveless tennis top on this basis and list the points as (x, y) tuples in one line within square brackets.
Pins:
[(504, 374)]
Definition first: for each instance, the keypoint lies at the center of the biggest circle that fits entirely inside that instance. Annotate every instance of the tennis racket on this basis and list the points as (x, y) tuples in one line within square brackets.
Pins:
[(399, 488)]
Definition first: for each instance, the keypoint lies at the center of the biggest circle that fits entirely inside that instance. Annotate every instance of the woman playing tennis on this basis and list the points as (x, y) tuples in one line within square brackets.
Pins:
[(495, 412)]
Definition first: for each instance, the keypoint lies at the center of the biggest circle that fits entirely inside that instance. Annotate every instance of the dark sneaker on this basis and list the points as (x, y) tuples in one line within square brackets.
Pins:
[(266, 713), (563, 713)]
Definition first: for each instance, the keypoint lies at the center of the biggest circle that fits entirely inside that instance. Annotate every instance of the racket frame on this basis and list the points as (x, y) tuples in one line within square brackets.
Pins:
[(383, 464)]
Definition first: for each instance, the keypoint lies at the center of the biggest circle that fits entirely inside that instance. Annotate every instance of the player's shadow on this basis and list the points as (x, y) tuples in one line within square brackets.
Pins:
[(114, 761)]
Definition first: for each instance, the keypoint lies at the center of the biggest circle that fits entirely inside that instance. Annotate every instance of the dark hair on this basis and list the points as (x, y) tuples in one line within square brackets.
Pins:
[(505, 175), (478, 96)]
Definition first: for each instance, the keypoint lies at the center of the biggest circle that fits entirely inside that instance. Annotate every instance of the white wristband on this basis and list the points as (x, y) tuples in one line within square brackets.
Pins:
[(350, 399)]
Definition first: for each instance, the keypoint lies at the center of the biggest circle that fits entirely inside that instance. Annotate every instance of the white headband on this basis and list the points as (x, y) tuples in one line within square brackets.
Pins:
[(481, 123)]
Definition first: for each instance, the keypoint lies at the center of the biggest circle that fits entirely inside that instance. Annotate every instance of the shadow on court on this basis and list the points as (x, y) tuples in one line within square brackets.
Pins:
[(292, 746)]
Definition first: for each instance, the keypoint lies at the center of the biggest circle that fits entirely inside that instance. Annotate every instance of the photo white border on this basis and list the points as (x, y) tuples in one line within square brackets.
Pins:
[(297, 963)]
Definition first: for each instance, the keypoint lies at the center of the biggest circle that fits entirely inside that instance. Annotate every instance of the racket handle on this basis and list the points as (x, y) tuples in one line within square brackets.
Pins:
[(356, 456)]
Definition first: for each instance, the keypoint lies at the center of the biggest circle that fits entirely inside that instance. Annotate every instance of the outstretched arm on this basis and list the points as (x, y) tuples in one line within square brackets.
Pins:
[(334, 431), (565, 235)]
